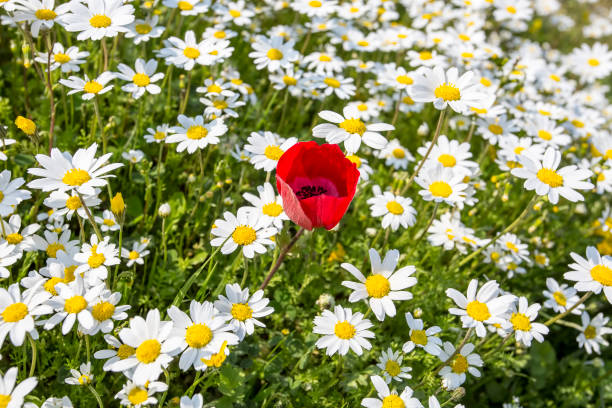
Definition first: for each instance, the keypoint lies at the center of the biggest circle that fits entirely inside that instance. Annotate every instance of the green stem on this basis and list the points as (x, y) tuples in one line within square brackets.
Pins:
[(90, 217), (281, 257), (583, 299), (33, 345), (96, 395)]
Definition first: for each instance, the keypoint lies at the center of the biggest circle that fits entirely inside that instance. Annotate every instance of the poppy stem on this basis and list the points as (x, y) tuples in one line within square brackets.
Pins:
[(281, 257), (431, 145)]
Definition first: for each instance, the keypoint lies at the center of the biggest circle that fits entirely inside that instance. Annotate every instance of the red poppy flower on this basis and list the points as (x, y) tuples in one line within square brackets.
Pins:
[(317, 184)]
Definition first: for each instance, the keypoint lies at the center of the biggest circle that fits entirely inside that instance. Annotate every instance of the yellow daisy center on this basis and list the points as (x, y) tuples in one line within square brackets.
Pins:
[(447, 160), (315, 3), (191, 53), (220, 35), (124, 351), (100, 21), (478, 311), (404, 80), (140, 79), (520, 322), (235, 13), (76, 177), (75, 304), (593, 62), (95, 259), (272, 209), (143, 28), (448, 92), (216, 359), (602, 274), (512, 247), (395, 208), (148, 351), (550, 177), (53, 248), (108, 222), (324, 58), (486, 82), (377, 286), (425, 55), (344, 330), (440, 189), (73, 203), (590, 332), (555, 78), (61, 58), (362, 107), (560, 298), (393, 368), (290, 81), (15, 312), (103, 311), (353, 126), (185, 5), (14, 238), (274, 54), (459, 364), (496, 129), (84, 379), (418, 337), (198, 335), (398, 153), (69, 273), (241, 311), (138, 395), (354, 159), (334, 83), (244, 235), (50, 285), (4, 399), (518, 149), (219, 104), (197, 132), (544, 134), (45, 14), (133, 255), (273, 152), (511, 9), (393, 401)]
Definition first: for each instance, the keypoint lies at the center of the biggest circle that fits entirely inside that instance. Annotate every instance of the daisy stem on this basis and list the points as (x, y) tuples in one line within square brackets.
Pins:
[(498, 348), (96, 395), (471, 131), (186, 97), (422, 234), (164, 238), (281, 257), (397, 106), (114, 280), (87, 348), (431, 145), (3, 230), (583, 299), (99, 119), (50, 90), (306, 41), (159, 185), (246, 271), (33, 346), (105, 54), (506, 230), (163, 397), (201, 159), (90, 217)]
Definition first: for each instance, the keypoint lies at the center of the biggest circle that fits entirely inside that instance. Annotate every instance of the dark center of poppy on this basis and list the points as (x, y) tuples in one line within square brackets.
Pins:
[(310, 191)]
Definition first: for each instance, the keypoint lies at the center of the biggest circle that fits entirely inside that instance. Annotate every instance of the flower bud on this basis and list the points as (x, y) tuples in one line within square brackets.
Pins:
[(164, 210), (458, 394), (423, 130), (117, 205), (26, 125)]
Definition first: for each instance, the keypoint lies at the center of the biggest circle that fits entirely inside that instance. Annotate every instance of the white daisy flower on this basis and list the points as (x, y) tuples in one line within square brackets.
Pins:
[(593, 330), (60, 269), (136, 255), (268, 205), (21, 238), (185, 54), (387, 398), (419, 337), (591, 274), (141, 79), (16, 394), (522, 321), (63, 172), (66, 205), (545, 179), (243, 311), (342, 330), (478, 308), (396, 155), (157, 134), (451, 154), (222, 106), (390, 362), (98, 19), (200, 334), (273, 53), (105, 311), (546, 132), (188, 7), (82, 376), (384, 285), (245, 229), (395, 210), (52, 243), (342, 87), (18, 313), (433, 85), (453, 374), (89, 87), (153, 347), (63, 402), (142, 30), (39, 13), (66, 59), (10, 195), (117, 352), (194, 133), (267, 148), (95, 259), (235, 12), (348, 128), (561, 297), (441, 184), (135, 395)]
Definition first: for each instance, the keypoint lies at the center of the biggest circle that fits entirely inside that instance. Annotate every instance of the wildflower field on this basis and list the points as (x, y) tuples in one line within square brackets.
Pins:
[(308, 203)]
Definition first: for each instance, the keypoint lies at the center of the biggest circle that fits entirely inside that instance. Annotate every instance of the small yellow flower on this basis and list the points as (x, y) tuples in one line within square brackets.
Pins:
[(117, 204), (26, 125)]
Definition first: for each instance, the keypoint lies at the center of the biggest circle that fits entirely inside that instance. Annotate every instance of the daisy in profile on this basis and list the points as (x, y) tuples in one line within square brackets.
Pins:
[(15, 394), (593, 330), (546, 178), (200, 334), (115, 354), (157, 134), (342, 330), (384, 285), (138, 395), (395, 210), (142, 30), (522, 320), (63, 172), (422, 338), (10, 193), (443, 89), (246, 229), (441, 184), (591, 274), (478, 308), (268, 205), (450, 154), (241, 310), (69, 60), (348, 128), (387, 398), (153, 346), (19, 311), (136, 254), (89, 87), (20, 237), (98, 19), (464, 361), (267, 148), (561, 297), (73, 302), (390, 362), (141, 79), (273, 53), (194, 133), (396, 155), (39, 14)]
